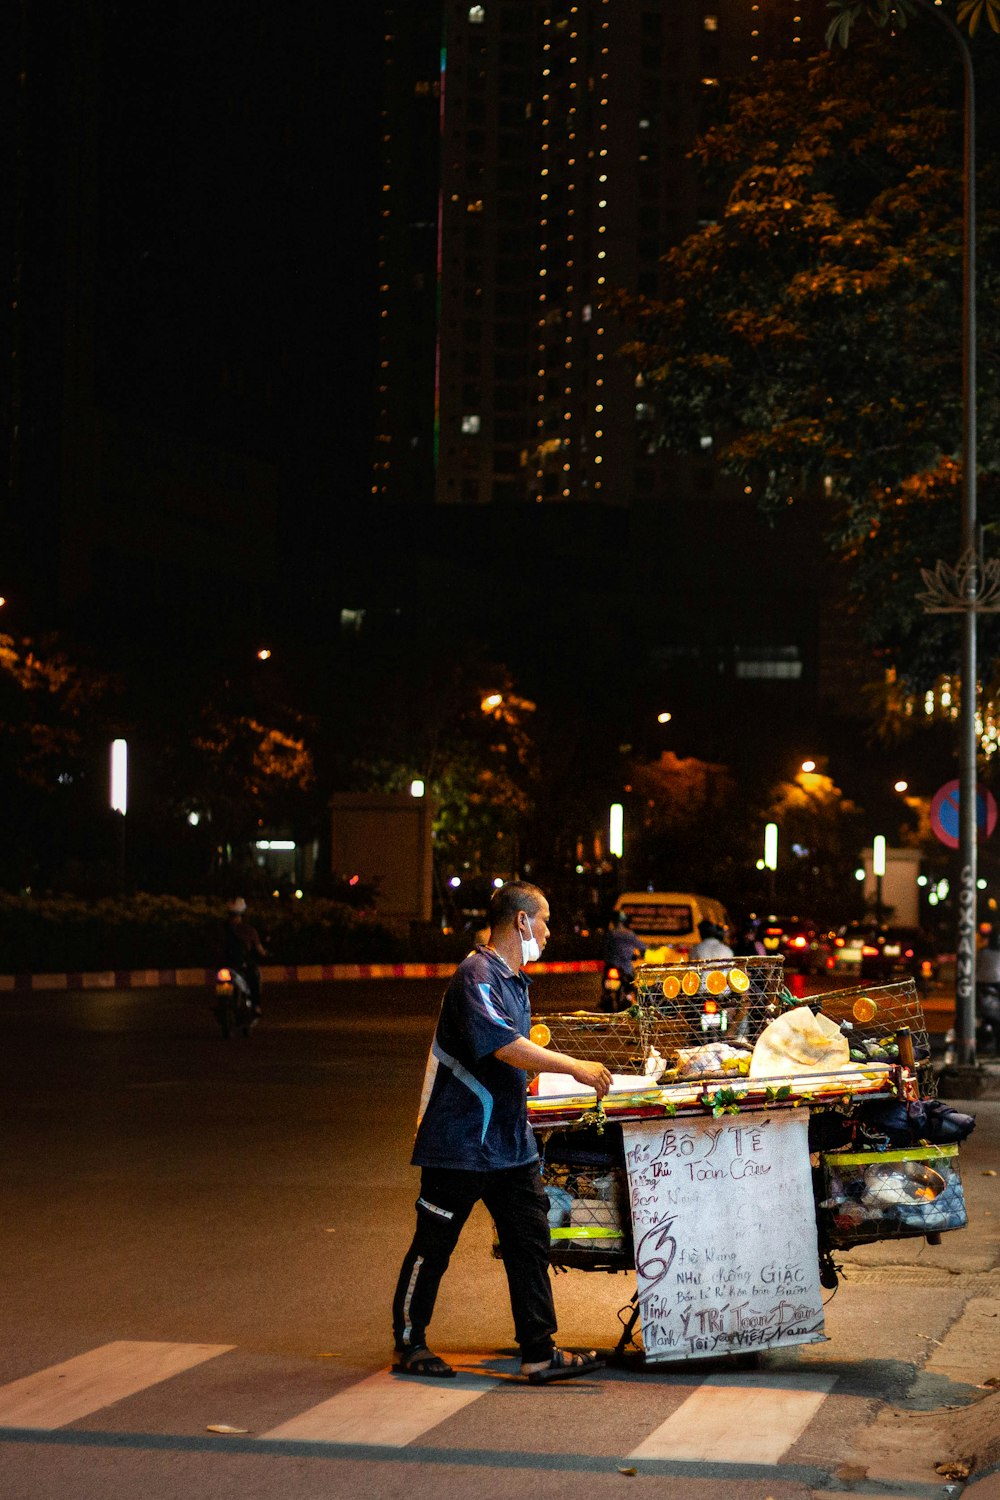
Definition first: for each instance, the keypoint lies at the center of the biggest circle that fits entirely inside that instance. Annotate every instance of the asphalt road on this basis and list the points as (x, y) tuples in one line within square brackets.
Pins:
[(242, 1207)]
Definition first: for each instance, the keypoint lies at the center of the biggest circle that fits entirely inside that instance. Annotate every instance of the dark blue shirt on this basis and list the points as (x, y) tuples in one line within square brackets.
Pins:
[(620, 948), (473, 1110)]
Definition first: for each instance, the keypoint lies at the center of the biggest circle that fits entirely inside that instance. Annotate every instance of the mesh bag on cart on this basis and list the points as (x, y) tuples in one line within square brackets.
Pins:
[(589, 1218)]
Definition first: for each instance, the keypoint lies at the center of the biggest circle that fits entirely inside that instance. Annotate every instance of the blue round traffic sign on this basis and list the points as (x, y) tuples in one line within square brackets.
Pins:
[(944, 812)]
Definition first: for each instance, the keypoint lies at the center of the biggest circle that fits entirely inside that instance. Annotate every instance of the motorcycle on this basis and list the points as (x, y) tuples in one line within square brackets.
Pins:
[(234, 1006), (988, 1016), (617, 990)]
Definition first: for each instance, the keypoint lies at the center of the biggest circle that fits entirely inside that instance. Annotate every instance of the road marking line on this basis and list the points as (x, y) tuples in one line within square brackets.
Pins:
[(66, 1392), (385, 1410), (739, 1419)]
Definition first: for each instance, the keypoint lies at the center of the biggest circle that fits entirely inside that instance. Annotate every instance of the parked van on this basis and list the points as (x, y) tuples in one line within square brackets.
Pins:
[(667, 921)]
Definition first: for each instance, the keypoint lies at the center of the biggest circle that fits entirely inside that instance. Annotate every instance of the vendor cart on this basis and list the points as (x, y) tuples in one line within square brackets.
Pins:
[(747, 1138)]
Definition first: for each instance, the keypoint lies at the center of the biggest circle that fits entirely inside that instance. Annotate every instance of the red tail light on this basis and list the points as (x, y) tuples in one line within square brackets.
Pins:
[(908, 953)]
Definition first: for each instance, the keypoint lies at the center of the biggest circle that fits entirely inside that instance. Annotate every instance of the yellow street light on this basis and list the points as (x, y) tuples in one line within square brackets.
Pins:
[(493, 701), (808, 765), (901, 786), (663, 718)]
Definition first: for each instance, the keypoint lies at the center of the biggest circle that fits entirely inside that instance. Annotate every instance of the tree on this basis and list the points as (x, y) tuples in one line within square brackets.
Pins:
[(821, 831), (694, 829), (465, 734), (813, 332), (897, 13), (55, 726)]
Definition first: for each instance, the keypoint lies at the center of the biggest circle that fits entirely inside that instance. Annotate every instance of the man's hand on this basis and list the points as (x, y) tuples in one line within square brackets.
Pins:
[(593, 1075)]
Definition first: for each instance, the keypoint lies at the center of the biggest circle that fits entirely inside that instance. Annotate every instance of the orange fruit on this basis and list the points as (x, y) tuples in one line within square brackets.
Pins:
[(671, 987), (691, 983), (739, 981), (864, 1009), (540, 1034), (715, 981)]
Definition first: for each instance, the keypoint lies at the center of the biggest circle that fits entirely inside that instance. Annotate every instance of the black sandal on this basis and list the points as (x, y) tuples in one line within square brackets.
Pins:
[(565, 1365), (423, 1362)]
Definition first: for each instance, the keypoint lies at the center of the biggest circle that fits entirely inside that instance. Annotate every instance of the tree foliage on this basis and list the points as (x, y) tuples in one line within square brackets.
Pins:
[(50, 711), (897, 13), (467, 737), (814, 331)]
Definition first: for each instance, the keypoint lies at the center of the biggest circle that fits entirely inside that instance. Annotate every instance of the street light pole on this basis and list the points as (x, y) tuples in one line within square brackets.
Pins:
[(965, 949), (960, 591)]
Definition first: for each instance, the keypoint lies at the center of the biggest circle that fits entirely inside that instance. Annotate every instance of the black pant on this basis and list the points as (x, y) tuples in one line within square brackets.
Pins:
[(516, 1199)]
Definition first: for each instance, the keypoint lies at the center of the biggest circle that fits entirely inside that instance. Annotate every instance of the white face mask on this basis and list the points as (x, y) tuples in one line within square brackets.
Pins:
[(530, 951)]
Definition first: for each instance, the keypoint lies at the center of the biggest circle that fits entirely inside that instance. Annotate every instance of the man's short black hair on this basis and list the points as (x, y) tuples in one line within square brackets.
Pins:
[(507, 900)]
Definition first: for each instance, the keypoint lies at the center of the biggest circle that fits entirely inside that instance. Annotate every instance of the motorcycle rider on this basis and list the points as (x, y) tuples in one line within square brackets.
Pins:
[(621, 949), (242, 947), (712, 943)]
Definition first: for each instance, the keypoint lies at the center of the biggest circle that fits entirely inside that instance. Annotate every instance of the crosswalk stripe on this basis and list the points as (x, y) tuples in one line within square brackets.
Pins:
[(385, 1410), (66, 1392), (739, 1418)]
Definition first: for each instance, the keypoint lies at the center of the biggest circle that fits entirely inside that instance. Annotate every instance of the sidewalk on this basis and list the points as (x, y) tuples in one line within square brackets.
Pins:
[(908, 1441)]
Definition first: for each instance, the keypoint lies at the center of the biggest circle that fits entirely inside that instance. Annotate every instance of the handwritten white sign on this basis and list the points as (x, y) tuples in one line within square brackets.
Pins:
[(725, 1234)]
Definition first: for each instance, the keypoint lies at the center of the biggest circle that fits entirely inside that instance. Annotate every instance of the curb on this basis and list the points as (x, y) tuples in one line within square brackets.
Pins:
[(152, 979)]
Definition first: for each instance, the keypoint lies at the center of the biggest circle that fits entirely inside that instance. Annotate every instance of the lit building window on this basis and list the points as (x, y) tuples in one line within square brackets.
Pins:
[(470, 423)]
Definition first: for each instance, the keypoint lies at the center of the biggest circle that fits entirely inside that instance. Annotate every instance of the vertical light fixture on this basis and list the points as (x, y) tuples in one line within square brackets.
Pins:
[(119, 776), (878, 870), (878, 854), (616, 830), (771, 857)]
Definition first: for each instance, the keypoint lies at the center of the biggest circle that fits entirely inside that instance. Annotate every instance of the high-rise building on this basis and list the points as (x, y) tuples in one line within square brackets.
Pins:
[(536, 158)]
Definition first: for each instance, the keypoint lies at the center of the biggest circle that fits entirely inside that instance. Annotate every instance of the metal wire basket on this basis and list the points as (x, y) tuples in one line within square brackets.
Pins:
[(876, 1013), (678, 1005), (620, 1042), (728, 999)]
